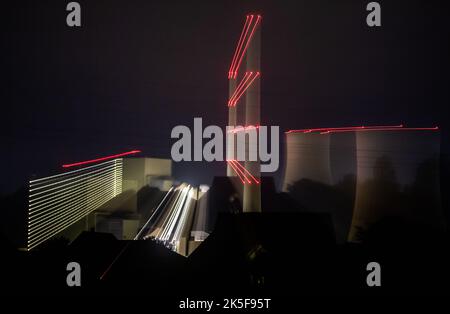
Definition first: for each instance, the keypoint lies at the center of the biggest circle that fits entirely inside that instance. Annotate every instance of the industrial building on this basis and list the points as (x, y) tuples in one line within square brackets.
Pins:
[(386, 168), (128, 197)]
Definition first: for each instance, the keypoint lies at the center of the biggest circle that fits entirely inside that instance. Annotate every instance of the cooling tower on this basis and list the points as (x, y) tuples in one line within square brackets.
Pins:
[(366, 174), (307, 157), (397, 176), (342, 157)]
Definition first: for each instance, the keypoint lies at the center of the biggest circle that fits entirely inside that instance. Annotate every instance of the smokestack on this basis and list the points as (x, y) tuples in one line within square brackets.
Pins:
[(231, 122), (252, 192), (246, 93)]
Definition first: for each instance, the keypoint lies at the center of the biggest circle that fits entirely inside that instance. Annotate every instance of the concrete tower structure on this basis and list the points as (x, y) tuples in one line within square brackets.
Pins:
[(245, 91), (232, 115), (392, 163), (384, 171), (307, 157), (323, 155)]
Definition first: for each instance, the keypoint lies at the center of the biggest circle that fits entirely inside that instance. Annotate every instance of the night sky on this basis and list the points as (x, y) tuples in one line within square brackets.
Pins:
[(136, 69)]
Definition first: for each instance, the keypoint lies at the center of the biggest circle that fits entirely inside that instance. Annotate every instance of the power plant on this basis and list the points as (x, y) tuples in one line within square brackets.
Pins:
[(116, 194), (357, 174)]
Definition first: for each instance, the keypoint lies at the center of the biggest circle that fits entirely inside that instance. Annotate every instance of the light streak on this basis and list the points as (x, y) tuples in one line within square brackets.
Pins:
[(77, 200), (67, 181), (240, 174), (58, 201), (170, 216), (167, 216), (57, 193), (383, 129), (35, 241), (49, 209), (350, 128), (238, 47), (246, 128), (80, 163), (61, 211), (236, 66), (241, 84), (246, 46), (68, 216), (176, 214), (182, 221), (64, 174), (244, 89), (154, 214), (248, 172)]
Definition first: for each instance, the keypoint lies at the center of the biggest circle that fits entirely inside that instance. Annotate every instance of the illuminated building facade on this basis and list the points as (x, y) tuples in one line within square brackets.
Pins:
[(61, 204), (57, 202)]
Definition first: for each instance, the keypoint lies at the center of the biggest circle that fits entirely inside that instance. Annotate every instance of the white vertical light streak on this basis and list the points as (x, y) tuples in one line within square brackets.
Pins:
[(184, 215), (175, 214)]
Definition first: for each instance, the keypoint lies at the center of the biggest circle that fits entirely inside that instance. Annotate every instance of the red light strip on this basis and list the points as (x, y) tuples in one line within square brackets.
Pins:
[(246, 46), (236, 67), (250, 127), (236, 99), (240, 174), (383, 129), (239, 87), (350, 128), (100, 159), (248, 172), (239, 46)]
